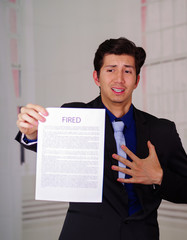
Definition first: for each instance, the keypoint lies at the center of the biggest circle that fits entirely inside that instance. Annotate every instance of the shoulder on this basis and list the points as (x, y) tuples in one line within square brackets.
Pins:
[(160, 131), (96, 103), (152, 120)]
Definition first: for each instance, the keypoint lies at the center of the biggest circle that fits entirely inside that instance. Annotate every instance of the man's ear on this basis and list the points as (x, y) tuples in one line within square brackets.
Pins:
[(96, 79), (137, 81)]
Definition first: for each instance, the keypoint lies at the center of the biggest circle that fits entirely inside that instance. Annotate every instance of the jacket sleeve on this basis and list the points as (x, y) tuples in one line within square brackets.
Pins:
[(174, 183), (32, 147)]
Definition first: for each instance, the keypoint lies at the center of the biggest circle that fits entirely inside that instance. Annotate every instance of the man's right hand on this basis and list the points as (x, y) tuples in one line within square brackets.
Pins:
[(28, 120)]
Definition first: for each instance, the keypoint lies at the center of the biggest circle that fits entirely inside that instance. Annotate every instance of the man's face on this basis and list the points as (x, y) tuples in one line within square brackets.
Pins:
[(117, 80)]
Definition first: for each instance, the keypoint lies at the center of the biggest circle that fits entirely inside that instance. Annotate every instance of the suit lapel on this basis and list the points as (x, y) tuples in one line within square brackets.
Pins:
[(142, 134)]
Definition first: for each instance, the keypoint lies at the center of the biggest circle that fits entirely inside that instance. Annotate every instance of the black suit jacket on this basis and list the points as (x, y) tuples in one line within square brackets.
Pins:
[(109, 219)]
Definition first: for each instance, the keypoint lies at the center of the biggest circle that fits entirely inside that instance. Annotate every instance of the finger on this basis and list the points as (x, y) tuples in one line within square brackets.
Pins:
[(24, 125), (38, 108), (122, 160), (31, 108), (28, 113), (126, 180), (132, 156), (28, 119), (121, 169)]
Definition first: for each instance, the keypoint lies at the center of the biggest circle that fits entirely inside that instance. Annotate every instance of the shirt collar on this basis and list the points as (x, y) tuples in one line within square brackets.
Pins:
[(128, 118)]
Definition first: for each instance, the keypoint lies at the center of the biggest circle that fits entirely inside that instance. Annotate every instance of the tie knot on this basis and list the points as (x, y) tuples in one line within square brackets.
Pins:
[(118, 126)]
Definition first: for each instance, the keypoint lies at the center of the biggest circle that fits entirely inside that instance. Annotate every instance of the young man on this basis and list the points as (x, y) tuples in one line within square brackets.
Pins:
[(155, 165)]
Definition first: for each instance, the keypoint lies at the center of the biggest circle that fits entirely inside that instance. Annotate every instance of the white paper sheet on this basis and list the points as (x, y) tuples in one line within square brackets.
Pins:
[(70, 155)]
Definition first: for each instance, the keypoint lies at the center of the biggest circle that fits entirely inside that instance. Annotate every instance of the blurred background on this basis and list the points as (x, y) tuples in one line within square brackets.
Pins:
[(46, 57)]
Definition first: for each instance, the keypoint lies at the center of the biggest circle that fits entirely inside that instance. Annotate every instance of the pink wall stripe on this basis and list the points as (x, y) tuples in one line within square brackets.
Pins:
[(16, 79), (14, 51), (13, 20), (143, 27)]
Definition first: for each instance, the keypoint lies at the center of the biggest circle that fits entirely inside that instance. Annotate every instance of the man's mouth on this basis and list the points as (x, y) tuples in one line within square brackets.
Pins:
[(118, 90)]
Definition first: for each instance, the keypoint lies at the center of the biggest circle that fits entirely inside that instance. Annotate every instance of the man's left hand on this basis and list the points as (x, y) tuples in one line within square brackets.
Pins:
[(144, 171)]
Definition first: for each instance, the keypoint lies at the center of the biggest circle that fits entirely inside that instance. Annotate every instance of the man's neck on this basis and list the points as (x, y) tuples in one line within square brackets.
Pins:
[(118, 110)]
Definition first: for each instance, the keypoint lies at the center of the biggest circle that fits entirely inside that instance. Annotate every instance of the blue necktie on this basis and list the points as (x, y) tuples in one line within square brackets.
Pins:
[(133, 201), (118, 127)]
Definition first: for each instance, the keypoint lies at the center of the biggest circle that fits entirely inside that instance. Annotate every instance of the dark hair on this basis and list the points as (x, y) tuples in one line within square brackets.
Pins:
[(119, 46)]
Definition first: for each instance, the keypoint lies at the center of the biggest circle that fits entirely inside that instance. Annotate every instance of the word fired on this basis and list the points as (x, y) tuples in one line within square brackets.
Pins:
[(71, 119)]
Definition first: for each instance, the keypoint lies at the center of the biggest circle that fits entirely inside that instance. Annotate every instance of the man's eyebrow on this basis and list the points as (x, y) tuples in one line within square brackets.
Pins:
[(110, 66), (125, 65), (129, 66)]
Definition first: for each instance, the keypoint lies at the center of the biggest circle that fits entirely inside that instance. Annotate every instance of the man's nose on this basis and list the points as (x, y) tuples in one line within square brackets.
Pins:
[(120, 76)]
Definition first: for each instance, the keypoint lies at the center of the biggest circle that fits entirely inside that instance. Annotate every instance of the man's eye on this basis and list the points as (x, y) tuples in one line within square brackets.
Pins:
[(110, 70), (127, 71)]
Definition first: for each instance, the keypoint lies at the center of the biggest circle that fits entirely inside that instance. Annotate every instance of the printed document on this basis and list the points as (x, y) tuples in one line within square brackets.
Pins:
[(70, 155)]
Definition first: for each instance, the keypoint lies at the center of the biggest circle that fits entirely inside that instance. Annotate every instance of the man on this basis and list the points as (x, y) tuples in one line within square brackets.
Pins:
[(155, 165)]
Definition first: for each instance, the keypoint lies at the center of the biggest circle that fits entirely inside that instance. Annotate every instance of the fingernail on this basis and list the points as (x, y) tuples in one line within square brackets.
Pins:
[(46, 113)]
